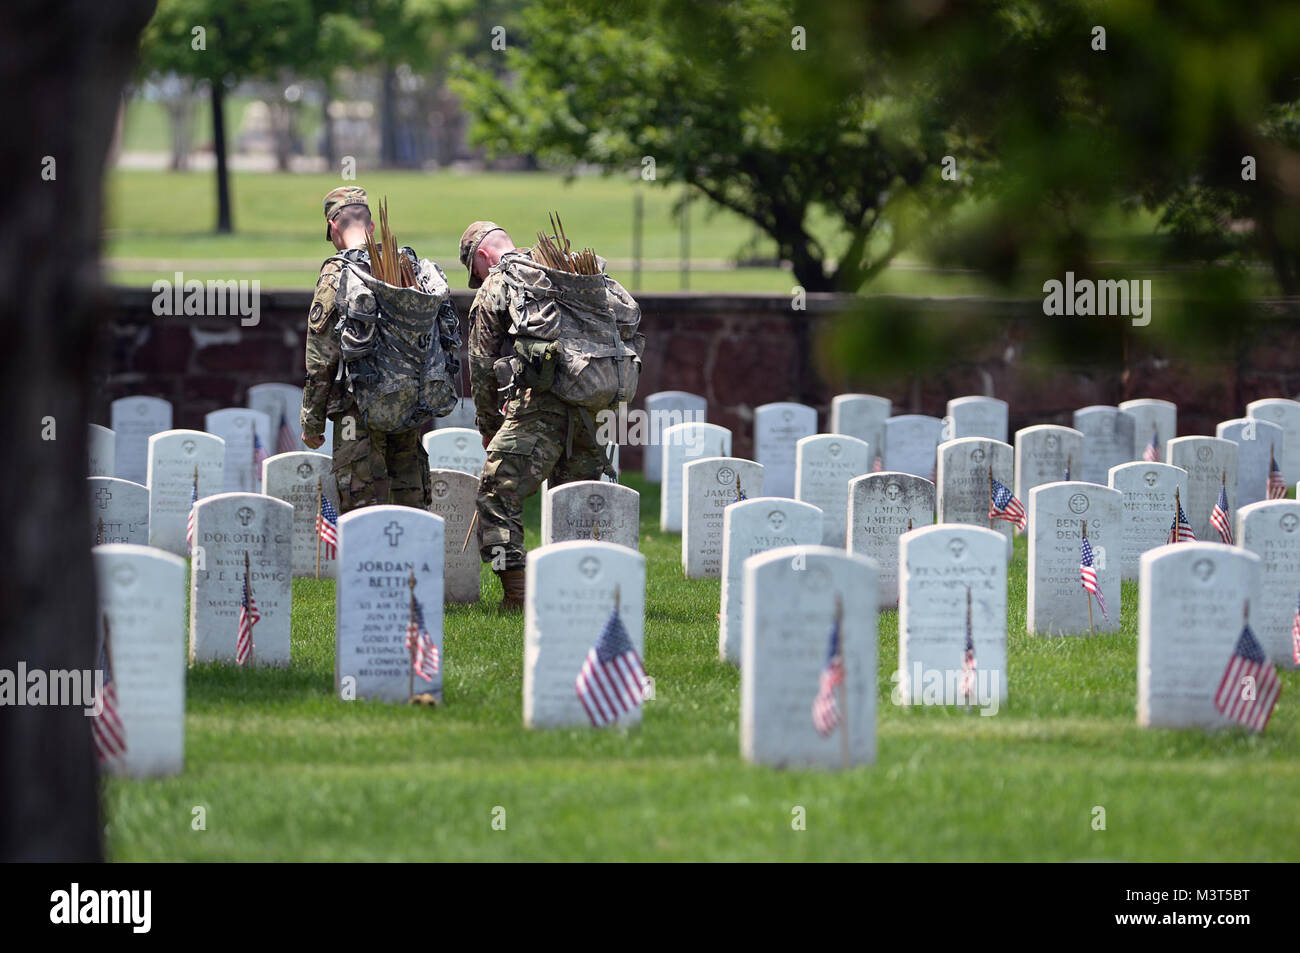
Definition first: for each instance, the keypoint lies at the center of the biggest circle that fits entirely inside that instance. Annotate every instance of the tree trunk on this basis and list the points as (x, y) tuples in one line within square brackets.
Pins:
[(327, 147), (388, 120), (70, 69), (224, 224)]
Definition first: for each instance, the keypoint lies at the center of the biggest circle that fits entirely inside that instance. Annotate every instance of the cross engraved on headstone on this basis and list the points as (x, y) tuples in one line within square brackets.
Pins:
[(394, 532), (102, 496)]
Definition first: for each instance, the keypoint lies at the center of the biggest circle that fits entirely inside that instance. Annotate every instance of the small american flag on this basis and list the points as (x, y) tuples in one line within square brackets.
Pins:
[(1067, 469), (106, 728), (612, 676), (966, 687), (192, 519), (1180, 530), (248, 617), (1220, 519), (825, 710), (740, 493), (285, 441), (1295, 635), (1152, 453), (1248, 662), (259, 454), (1088, 575), (327, 526), (418, 642), (1276, 484), (1003, 505), (877, 465)]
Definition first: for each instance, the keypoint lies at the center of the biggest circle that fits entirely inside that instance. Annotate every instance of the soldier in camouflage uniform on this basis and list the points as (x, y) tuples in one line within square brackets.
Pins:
[(533, 437), (370, 467)]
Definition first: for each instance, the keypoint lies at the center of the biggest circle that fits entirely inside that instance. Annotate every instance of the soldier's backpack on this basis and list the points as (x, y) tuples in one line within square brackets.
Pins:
[(574, 335), (392, 358)]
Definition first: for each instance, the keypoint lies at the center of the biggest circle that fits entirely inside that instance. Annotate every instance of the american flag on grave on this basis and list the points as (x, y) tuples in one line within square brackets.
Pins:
[(106, 729), (966, 687), (1250, 685), (1152, 452), (285, 441), (1220, 519), (424, 650), (192, 519), (259, 455), (825, 709), (1003, 505), (1180, 530), (1088, 576), (610, 682), (1295, 635), (327, 527), (248, 617), (1276, 483)]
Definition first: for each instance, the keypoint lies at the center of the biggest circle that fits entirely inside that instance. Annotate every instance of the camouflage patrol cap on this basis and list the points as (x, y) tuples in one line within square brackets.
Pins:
[(341, 197), (469, 243)]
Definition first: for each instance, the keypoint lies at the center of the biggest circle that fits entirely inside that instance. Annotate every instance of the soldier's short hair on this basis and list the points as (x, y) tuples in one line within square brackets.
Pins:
[(352, 215)]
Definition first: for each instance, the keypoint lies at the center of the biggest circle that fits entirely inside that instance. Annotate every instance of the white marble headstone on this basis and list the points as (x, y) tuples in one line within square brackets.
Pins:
[(134, 421), (173, 457), (1057, 602), (1108, 437), (862, 416), (939, 564), (576, 510), (1042, 453), (1148, 501), (1286, 414), (282, 403), (230, 526), (141, 594), (298, 478), (463, 414), (825, 463), (1206, 460), (963, 486), (911, 444), (100, 447), (751, 527), (237, 427), (379, 548), (1254, 437), (777, 430), (121, 508), (683, 443), (455, 448), (454, 497), (665, 409), (978, 417), (790, 608), (709, 487), (881, 507), (571, 591), (1191, 598), (1151, 416), (1271, 530)]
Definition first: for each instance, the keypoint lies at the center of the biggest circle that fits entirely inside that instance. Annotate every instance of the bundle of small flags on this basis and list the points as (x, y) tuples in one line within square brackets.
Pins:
[(825, 710), (1250, 685), (1003, 505), (610, 682), (193, 517), (285, 441), (1180, 530), (327, 527), (248, 617), (1152, 453), (1276, 484), (106, 728), (1220, 519), (1088, 576), (424, 651)]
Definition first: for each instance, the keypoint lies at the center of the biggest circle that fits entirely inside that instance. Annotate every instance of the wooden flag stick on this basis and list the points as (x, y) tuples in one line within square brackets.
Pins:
[(618, 597), (909, 524), (844, 684), (469, 532), (990, 496), (319, 492), (1178, 505), (413, 641), (1086, 594)]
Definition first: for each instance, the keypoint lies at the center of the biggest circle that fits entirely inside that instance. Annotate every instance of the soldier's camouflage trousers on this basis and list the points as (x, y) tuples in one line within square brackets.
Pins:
[(376, 467), (530, 447)]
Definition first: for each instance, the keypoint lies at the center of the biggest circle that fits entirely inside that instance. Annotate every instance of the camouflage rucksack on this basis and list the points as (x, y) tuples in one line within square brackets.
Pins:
[(575, 335), (393, 361)]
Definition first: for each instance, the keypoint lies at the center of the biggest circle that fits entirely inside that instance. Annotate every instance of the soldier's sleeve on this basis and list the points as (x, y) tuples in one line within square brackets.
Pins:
[(449, 335), (322, 351), (488, 329)]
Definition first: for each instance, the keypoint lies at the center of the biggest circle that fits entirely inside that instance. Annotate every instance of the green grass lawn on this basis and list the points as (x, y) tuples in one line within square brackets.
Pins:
[(286, 771)]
